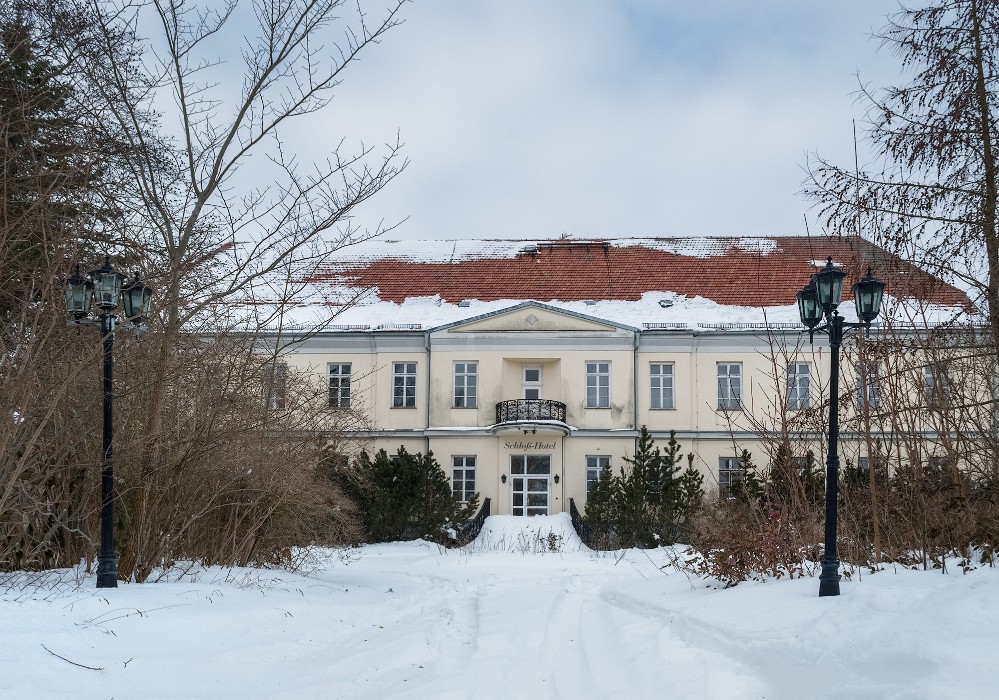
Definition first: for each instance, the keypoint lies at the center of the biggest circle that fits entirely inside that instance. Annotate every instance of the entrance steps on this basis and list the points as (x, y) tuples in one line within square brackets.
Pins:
[(539, 534)]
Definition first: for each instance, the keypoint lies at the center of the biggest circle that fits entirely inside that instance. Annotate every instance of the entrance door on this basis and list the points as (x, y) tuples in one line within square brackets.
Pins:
[(529, 475)]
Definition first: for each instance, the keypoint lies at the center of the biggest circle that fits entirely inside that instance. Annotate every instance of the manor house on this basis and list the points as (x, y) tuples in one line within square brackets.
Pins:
[(528, 366)]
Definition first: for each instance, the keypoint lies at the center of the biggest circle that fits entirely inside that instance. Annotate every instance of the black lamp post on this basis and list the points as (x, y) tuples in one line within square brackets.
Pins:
[(816, 301), (91, 300)]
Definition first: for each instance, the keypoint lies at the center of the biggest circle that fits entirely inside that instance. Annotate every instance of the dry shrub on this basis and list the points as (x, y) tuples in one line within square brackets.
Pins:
[(738, 541), (228, 480), (926, 515), (49, 448), (231, 478)]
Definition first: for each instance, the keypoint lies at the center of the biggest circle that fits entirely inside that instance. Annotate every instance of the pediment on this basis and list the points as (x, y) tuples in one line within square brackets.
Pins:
[(533, 318)]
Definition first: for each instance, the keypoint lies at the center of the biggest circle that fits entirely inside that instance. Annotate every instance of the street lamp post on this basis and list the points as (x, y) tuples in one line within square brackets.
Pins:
[(818, 301), (94, 299)]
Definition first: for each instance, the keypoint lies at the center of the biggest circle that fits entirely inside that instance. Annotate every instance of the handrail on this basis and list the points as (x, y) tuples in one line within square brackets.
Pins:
[(530, 409), (584, 531), (470, 530)]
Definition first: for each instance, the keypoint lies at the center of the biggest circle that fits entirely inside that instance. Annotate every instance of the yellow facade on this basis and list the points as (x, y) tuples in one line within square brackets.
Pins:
[(532, 354)]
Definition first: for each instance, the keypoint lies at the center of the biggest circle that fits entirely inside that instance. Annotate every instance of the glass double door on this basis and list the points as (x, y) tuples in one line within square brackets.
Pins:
[(530, 477)]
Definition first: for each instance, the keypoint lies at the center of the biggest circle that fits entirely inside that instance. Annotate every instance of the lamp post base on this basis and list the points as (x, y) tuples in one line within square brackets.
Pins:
[(107, 572), (829, 578)]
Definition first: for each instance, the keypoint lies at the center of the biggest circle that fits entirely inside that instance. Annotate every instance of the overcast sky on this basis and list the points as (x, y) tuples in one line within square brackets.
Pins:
[(534, 118)]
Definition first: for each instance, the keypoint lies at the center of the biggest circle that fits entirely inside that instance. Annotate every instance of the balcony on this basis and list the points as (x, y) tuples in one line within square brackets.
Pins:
[(530, 416)]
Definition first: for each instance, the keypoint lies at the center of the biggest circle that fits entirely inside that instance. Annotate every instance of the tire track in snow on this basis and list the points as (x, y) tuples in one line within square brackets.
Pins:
[(671, 664)]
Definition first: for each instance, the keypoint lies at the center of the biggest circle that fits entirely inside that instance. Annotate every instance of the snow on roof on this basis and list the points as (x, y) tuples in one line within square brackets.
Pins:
[(650, 283), (694, 314)]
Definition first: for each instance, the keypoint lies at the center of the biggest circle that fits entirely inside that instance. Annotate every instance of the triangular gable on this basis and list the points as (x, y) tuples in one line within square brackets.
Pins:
[(533, 316)]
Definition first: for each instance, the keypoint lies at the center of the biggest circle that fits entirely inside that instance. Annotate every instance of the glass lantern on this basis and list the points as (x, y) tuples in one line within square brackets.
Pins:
[(867, 296), (107, 286), (829, 286)]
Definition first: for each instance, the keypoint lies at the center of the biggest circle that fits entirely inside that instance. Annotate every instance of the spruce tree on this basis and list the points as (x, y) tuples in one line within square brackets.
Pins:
[(648, 503), (403, 497)]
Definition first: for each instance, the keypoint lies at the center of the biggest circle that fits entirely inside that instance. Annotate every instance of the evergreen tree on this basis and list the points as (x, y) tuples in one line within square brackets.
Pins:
[(646, 504), (59, 163), (403, 497), (749, 487), (599, 500)]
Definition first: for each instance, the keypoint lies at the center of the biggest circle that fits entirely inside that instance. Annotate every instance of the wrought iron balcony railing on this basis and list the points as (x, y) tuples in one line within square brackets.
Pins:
[(530, 409)]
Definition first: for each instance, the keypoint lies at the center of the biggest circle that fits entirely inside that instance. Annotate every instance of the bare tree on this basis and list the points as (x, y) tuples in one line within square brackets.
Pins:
[(933, 195), (210, 467), (220, 240)]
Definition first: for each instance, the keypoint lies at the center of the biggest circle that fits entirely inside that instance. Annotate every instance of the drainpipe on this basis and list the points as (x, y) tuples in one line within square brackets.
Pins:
[(426, 432), (634, 399)]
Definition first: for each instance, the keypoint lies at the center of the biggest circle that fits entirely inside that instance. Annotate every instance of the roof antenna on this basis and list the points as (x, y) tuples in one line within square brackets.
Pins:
[(856, 178)]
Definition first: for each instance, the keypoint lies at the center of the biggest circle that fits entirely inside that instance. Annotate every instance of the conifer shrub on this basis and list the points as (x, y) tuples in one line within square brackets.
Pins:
[(650, 502), (404, 496)]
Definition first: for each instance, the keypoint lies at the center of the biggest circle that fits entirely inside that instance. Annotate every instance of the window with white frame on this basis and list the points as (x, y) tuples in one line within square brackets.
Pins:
[(532, 383), (729, 472), (595, 465), (868, 386), (403, 385), (800, 464), (936, 385), (598, 384), (276, 383), (730, 385), (799, 385), (661, 384), (864, 464), (463, 477), (339, 385), (466, 377)]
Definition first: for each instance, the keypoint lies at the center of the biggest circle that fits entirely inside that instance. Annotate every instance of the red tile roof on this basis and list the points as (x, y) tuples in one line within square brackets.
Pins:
[(752, 272)]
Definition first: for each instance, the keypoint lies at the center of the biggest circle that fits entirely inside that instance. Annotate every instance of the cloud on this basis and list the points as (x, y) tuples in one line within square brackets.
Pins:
[(634, 117)]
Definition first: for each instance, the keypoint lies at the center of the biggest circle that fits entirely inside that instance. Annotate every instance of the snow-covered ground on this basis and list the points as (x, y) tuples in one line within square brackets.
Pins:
[(504, 618)]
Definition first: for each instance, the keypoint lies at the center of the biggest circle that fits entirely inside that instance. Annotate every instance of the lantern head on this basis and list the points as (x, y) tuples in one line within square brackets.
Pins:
[(829, 286), (867, 296)]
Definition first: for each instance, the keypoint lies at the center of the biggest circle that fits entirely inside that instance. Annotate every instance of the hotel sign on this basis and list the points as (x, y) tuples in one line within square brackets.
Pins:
[(528, 445)]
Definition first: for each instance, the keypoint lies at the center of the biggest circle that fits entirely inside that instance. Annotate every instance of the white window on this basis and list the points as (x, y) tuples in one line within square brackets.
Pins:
[(864, 464), (661, 384), (729, 385), (465, 384), (532, 382), (276, 380), (598, 384), (339, 376), (463, 477), (799, 385), (595, 465), (868, 386), (936, 386), (404, 385), (729, 472)]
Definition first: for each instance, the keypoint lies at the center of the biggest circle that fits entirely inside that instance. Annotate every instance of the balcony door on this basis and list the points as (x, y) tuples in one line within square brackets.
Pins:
[(532, 382), (530, 477)]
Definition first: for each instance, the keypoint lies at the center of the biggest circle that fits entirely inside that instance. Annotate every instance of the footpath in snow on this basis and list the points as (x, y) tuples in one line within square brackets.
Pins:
[(516, 614)]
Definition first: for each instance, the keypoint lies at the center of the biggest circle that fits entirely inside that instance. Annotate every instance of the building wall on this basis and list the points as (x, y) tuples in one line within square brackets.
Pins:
[(562, 346)]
